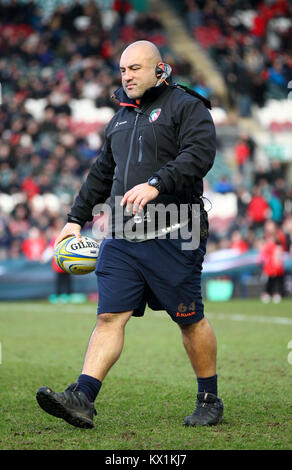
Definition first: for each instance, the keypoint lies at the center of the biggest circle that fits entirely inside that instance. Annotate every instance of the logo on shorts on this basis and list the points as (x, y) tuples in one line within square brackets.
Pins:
[(184, 311), (181, 314), (154, 114)]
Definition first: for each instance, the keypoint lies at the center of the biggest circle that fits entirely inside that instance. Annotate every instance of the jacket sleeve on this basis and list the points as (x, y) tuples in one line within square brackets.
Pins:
[(197, 148), (96, 188)]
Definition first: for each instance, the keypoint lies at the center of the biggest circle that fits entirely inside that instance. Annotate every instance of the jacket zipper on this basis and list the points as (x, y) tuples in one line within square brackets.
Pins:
[(129, 154), (140, 155), (141, 111)]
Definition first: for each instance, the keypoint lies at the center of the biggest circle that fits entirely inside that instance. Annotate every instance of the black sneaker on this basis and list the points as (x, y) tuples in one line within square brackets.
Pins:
[(71, 405), (209, 411)]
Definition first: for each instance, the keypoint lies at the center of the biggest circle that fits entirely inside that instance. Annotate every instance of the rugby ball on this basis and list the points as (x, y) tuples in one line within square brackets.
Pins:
[(77, 257)]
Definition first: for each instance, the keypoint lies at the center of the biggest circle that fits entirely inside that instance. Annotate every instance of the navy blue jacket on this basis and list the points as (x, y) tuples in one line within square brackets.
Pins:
[(170, 134)]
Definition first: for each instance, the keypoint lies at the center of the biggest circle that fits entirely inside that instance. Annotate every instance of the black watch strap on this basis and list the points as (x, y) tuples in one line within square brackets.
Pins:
[(155, 181), (75, 220)]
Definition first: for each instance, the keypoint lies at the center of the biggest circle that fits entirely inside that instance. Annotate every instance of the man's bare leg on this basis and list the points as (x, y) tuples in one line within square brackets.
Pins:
[(106, 344), (201, 346)]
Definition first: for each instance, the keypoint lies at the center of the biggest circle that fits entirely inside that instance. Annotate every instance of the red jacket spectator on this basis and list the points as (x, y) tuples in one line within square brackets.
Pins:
[(49, 254), (242, 152), (238, 243), (272, 258), (122, 6), (30, 187), (34, 246), (258, 209)]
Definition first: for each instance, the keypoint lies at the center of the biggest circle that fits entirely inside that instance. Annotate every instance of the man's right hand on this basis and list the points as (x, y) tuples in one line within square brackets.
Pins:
[(68, 230)]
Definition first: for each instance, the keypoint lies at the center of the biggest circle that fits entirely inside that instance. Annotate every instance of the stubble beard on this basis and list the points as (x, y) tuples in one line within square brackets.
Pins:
[(132, 94)]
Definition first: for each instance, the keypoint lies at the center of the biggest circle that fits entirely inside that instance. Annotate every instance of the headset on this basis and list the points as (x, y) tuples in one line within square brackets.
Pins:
[(159, 71)]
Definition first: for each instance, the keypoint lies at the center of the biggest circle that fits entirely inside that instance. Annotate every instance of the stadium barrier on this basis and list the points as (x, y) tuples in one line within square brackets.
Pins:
[(21, 279)]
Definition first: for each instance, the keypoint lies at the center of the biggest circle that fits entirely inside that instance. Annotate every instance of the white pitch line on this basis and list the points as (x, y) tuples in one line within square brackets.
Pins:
[(60, 308), (250, 318), (239, 317)]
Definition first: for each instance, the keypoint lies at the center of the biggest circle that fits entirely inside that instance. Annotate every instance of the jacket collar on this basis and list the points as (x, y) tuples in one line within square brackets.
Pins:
[(150, 95)]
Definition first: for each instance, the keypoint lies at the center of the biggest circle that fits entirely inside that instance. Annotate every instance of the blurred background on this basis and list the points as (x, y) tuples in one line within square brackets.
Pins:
[(59, 64)]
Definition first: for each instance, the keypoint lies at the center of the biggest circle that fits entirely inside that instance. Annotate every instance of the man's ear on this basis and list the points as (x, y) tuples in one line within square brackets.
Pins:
[(159, 69)]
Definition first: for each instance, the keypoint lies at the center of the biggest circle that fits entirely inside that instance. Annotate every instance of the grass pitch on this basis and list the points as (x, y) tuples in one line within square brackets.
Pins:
[(147, 394)]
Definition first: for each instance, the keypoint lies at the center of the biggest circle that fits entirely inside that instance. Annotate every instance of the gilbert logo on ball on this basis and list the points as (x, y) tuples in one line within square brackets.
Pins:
[(77, 257)]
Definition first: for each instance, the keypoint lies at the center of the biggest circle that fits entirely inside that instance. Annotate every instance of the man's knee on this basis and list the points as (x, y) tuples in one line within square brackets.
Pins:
[(120, 318), (188, 329)]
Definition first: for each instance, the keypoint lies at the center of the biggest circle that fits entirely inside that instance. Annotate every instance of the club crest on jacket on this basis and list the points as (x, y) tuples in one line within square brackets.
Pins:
[(154, 114)]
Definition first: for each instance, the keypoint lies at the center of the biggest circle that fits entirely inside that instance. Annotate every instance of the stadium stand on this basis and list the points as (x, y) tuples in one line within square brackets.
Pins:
[(59, 67), (249, 42)]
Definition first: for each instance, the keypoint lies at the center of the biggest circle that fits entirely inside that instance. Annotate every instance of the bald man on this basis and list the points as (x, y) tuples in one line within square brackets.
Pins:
[(157, 149)]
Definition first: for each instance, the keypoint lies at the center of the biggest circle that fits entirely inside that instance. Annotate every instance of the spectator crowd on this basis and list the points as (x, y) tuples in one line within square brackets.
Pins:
[(48, 65), (250, 41)]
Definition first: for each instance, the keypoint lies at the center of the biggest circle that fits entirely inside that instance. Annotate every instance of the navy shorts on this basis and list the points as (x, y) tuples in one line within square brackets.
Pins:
[(154, 272)]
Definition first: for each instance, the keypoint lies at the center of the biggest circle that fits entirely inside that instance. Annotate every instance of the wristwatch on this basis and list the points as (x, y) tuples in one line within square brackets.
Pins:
[(155, 182)]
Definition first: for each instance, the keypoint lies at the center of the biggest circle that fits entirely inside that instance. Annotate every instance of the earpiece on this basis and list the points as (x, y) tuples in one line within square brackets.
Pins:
[(158, 71)]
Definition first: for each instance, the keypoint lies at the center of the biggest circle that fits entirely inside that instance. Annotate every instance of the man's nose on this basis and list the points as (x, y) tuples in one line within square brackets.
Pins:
[(127, 76)]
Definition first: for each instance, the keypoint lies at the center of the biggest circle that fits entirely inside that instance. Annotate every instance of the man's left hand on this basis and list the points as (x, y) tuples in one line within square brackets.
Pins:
[(137, 197)]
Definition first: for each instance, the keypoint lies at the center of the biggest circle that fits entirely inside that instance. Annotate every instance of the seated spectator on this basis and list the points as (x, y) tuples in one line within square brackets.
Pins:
[(242, 152), (277, 81), (276, 206), (238, 243), (193, 14), (223, 186), (257, 210), (34, 245)]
